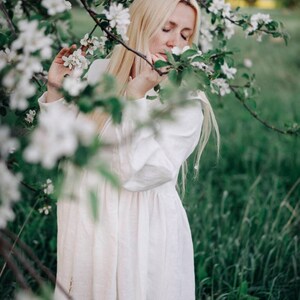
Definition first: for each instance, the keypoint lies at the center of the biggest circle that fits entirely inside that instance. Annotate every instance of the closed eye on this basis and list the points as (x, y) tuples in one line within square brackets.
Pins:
[(184, 37)]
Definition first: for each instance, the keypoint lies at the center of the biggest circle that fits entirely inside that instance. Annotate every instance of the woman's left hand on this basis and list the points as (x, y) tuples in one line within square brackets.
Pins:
[(146, 80)]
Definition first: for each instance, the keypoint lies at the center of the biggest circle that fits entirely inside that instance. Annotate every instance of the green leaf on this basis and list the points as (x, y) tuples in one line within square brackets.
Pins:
[(251, 103), (151, 97), (115, 108), (170, 57), (109, 176), (173, 76), (161, 63), (3, 40), (188, 53), (94, 204)]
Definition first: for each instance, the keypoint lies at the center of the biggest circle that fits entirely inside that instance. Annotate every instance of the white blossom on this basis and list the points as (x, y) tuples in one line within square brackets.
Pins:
[(102, 42), (7, 57), (30, 116), (7, 143), (23, 90), (256, 20), (202, 66), (73, 83), (29, 65), (76, 60), (32, 39), (58, 135), (229, 29), (119, 18), (48, 187), (217, 6), (45, 209), (9, 193), (56, 6), (220, 86), (206, 37), (91, 42), (18, 11), (248, 63), (229, 72), (178, 51)]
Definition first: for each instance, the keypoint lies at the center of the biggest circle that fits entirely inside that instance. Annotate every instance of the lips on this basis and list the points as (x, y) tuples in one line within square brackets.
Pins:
[(163, 55)]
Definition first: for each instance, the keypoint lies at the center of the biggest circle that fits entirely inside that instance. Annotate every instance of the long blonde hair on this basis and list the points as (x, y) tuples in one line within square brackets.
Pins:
[(147, 18)]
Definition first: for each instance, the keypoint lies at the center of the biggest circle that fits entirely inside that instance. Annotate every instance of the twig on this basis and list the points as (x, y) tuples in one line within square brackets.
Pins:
[(4, 246), (20, 232), (8, 19), (255, 115), (235, 22), (143, 56), (23, 261), (40, 265)]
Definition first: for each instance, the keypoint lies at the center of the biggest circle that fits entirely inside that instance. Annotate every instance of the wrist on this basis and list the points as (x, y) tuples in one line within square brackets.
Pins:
[(53, 95), (134, 94)]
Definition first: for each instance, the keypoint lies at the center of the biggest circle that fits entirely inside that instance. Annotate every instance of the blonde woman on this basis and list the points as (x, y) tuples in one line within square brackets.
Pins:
[(141, 246)]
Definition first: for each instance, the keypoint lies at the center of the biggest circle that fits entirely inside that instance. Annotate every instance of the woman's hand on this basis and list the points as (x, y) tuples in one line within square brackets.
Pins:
[(57, 72), (146, 80)]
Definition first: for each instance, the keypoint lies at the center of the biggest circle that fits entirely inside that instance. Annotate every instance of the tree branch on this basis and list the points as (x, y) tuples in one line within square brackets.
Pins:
[(143, 56), (255, 115), (8, 19)]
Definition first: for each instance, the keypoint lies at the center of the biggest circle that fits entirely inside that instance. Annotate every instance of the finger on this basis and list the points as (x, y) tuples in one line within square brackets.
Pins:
[(61, 53), (71, 50)]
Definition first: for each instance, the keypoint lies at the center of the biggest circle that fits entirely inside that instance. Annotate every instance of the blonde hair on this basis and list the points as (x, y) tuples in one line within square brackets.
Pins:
[(147, 18)]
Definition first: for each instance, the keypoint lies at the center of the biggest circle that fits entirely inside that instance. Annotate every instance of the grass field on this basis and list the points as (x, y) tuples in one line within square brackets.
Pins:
[(244, 209)]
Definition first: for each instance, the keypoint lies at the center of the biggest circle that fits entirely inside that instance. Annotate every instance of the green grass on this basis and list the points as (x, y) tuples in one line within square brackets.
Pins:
[(243, 210)]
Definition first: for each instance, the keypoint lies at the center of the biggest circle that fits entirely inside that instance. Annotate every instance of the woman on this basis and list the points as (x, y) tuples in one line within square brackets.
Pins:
[(141, 246)]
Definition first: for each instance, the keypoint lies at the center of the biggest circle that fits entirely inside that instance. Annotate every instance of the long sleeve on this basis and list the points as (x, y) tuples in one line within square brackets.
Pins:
[(147, 160), (93, 75)]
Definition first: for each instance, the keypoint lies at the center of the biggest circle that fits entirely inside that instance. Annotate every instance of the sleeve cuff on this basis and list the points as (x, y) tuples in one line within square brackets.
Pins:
[(44, 105)]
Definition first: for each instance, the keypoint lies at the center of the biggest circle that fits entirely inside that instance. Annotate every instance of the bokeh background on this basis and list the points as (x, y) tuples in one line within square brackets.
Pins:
[(243, 208)]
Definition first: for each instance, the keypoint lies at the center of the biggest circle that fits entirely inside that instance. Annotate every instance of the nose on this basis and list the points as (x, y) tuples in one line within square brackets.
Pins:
[(173, 40)]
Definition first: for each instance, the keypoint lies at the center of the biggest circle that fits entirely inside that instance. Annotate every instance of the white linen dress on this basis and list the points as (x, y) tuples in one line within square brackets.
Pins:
[(141, 246)]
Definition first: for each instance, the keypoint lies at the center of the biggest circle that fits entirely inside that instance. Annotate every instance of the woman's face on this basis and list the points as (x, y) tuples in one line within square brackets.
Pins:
[(175, 32)]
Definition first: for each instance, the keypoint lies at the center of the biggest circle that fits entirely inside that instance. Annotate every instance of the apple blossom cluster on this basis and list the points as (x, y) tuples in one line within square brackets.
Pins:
[(92, 43), (45, 210), (76, 60), (48, 187), (220, 7), (58, 135), (56, 6), (30, 115), (9, 193), (9, 183), (208, 30), (220, 86), (73, 84), (18, 11), (227, 71), (23, 55), (119, 18), (256, 21)]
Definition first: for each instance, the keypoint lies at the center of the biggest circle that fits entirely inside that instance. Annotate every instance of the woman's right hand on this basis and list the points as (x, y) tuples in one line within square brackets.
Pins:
[(56, 74)]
